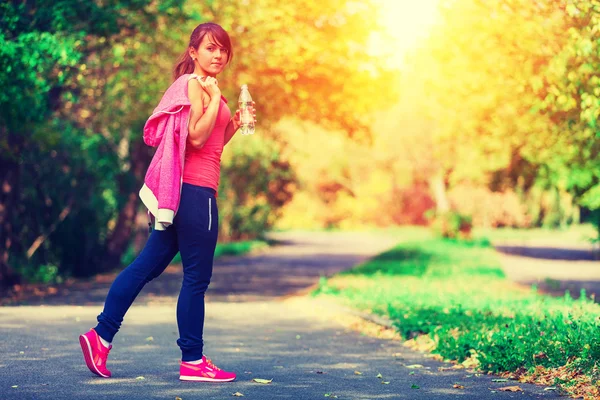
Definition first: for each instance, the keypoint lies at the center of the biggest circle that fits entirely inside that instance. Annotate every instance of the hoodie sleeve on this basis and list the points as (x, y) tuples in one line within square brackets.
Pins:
[(169, 175)]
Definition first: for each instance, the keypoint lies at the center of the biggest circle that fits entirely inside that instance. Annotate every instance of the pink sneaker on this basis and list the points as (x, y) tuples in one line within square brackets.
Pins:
[(206, 371), (95, 353)]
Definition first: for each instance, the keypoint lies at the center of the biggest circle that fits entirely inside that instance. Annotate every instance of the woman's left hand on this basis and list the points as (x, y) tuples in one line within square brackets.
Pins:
[(237, 117)]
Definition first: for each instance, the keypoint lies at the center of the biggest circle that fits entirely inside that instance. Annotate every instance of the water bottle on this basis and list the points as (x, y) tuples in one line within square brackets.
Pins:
[(245, 106)]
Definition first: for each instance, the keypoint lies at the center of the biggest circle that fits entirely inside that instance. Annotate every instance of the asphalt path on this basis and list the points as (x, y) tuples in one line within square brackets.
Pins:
[(259, 323)]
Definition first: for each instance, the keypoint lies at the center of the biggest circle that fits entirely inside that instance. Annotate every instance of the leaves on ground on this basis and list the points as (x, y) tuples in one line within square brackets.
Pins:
[(510, 389), (357, 373), (330, 395), (263, 381), (237, 394), (14, 386), (413, 386), (385, 382), (499, 380), (456, 366), (140, 378), (149, 339), (457, 386), (414, 366)]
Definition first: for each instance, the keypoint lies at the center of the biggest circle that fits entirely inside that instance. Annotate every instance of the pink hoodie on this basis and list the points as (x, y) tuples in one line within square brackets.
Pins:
[(167, 128)]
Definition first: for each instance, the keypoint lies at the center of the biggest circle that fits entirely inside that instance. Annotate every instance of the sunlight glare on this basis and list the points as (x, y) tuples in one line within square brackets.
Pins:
[(406, 22)]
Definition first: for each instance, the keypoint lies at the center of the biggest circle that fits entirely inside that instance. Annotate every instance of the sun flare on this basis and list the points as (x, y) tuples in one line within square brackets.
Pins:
[(406, 22)]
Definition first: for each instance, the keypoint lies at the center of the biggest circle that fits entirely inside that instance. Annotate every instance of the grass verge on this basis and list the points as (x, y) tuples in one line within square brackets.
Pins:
[(453, 298)]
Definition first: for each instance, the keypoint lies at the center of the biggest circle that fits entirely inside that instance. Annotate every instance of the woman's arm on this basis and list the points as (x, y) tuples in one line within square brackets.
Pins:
[(202, 122)]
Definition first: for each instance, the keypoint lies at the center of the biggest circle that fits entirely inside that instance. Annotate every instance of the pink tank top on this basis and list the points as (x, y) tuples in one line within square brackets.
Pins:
[(202, 166)]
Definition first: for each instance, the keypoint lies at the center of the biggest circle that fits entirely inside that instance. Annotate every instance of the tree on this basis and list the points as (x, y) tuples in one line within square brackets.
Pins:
[(506, 80), (49, 165)]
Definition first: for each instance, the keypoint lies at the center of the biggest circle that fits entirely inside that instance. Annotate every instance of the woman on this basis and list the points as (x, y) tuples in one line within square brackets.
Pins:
[(189, 127)]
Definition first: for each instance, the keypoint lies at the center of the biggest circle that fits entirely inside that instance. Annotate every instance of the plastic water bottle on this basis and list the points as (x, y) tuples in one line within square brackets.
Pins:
[(245, 106)]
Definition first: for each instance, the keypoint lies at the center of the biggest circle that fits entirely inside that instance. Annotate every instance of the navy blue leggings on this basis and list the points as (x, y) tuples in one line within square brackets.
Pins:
[(193, 233)]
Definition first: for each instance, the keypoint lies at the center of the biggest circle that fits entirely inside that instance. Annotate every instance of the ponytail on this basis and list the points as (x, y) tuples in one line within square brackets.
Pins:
[(184, 65)]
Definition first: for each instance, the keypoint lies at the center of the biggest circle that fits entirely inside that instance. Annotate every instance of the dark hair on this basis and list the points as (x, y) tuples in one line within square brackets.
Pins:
[(185, 64)]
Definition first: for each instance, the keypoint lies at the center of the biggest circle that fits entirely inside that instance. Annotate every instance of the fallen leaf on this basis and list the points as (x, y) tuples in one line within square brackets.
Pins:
[(457, 386), (379, 376), (178, 398), (263, 381), (550, 388), (411, 373), (499, 380), (456, 366), (14, 386), (510, 389), (140, 378), (385, 383), (298, 336), (21, 352), (357, 373), (413, 386), (414, 366), (330, 395), (149, 339), (238, 394)]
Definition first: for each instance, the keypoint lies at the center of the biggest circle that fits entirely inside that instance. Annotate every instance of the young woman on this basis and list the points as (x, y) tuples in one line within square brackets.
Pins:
[(189, 127)]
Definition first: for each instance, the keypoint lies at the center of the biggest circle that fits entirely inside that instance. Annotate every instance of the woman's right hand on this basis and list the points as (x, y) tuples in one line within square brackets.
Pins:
[(210, 86)]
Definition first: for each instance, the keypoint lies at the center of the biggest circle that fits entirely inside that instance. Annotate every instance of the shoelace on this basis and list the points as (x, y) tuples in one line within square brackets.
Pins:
[(210, 364)]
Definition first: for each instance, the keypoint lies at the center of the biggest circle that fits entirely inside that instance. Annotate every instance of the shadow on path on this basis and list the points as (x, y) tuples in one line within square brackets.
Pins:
[(292, 266), (550, 253), (553, 270)]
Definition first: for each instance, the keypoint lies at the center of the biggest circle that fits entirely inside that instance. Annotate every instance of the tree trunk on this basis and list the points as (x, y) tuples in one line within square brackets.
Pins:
[(438, 188), (9, 191), (121, 235)]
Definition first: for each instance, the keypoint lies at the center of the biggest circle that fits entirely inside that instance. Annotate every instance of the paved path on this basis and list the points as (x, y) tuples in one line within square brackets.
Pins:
[(254, 326), (553, 267)]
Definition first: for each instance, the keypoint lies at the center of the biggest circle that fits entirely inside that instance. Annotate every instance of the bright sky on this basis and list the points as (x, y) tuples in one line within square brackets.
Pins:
[(407, 21)]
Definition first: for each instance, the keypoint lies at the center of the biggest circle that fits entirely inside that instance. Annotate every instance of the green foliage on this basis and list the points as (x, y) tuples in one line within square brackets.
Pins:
[(448, 291), (256, 182), (60, 158), (275, 42), (511, 89), (452, 224)]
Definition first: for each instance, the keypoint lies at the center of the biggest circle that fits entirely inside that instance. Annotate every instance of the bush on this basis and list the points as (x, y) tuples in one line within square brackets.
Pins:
[(489, 209), (452, 225), (255, 184)]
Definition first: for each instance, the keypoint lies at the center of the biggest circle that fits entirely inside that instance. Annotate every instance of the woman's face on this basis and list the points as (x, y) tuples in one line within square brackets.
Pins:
[(211, 56)]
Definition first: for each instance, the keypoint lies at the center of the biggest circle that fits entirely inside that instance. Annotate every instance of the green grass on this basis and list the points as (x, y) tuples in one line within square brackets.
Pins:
[(457, 295), (572, 235)]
